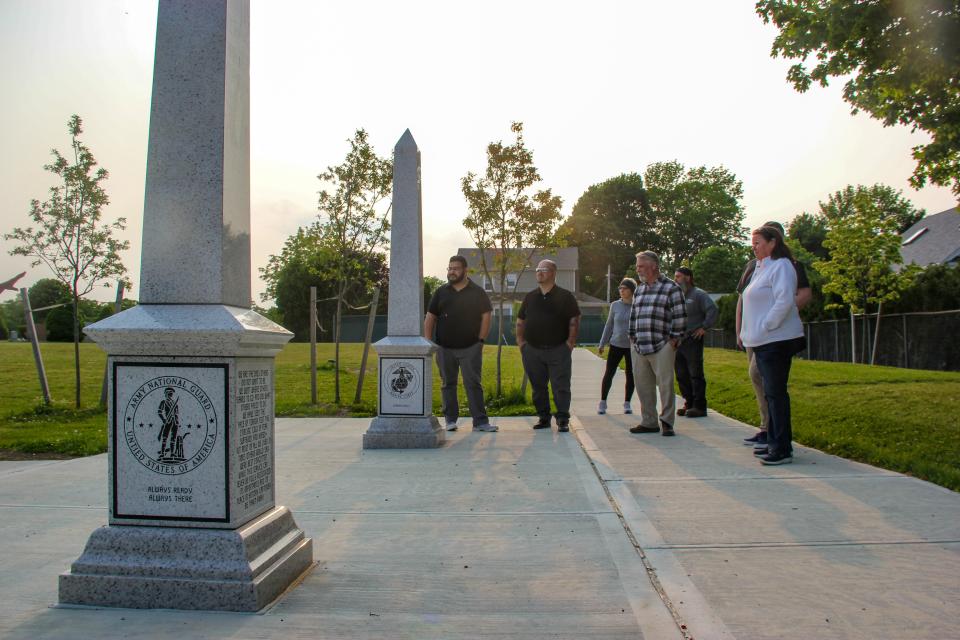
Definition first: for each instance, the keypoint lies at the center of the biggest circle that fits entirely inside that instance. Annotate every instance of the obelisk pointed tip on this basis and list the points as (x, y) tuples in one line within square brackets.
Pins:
[(406, 141)]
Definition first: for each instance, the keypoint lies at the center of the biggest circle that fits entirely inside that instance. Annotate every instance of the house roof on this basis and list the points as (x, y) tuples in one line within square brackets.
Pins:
[(567, 258), (933, 240)]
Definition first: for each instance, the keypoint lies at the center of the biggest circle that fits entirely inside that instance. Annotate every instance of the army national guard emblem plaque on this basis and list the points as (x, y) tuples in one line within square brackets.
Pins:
[(170, 441)]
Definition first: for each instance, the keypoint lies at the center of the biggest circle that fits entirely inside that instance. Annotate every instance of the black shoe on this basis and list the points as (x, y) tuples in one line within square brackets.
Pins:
[(776, 458), (563, 427), (695, 413), (761, 452), (666, 429), (682, 411), (542, 423), (644, 429), (760, 437)]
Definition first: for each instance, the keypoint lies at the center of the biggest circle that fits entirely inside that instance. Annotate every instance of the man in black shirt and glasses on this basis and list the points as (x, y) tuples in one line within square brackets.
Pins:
[(460, 312), (547, 326)]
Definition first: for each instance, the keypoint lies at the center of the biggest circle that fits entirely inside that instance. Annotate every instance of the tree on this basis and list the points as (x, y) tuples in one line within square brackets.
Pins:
[(809, 231), (717, 269), (508, 220), (430, 285), (609, 222), (69, 238), (900, 60), (352, 225), (888, 202), (693, 209), (863, 248), (299, 266), (47, 292)]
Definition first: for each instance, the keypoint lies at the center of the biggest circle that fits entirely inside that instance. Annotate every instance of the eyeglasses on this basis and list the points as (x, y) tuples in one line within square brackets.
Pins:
[(544, 270)]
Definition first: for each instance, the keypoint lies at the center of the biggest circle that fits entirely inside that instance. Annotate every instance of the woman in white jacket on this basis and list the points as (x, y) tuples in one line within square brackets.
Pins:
[(771, 327)]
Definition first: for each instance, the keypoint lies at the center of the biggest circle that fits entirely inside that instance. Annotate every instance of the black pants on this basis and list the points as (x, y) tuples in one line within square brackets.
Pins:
[(614, 356), (553, 365), (774, 360), (689, 369)]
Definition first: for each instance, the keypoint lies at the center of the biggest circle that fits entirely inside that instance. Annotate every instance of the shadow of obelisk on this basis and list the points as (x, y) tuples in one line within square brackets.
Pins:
[(405, 417), (193, 522)]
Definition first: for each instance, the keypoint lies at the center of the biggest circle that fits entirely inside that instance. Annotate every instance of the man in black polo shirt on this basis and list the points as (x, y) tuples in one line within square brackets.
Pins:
[(547, 327), (460, 312)]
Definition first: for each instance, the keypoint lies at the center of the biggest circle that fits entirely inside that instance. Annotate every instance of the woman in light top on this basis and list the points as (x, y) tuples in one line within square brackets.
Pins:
[(615, 335), (771, 327)]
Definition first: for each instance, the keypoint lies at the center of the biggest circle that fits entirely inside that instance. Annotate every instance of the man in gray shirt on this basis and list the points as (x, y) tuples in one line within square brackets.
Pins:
[(701, 315)]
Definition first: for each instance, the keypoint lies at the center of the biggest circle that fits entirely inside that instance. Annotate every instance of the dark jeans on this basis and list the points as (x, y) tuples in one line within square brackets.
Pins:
[(469, 362), (553, 365), (689, 370), (773, 361), (614, 356)]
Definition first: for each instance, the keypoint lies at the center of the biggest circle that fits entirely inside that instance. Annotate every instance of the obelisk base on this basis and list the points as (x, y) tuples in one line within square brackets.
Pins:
[(418, 432), (139, 567), (405, 417)]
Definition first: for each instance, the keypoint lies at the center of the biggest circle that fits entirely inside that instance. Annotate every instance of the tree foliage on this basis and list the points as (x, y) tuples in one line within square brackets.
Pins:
[(717, 269), (888, 202), (69, 238), (509, 219), (609, 223), (299, 266), (899, 59), (863, 249), (693, 209), (809, 230), (47, 292)]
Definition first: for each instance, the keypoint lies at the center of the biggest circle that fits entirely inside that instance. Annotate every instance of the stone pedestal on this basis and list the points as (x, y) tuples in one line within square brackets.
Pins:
[(191, 464), (241, 569), (405, 417)]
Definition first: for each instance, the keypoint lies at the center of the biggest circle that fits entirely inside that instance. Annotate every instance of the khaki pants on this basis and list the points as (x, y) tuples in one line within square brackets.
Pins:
[(653, 372), (758, 389)]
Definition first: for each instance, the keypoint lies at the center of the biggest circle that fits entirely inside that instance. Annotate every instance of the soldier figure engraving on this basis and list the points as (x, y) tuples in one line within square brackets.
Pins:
[(169, 412)]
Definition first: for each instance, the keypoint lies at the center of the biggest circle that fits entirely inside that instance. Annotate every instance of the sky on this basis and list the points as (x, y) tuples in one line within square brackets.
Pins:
[(603, 88)]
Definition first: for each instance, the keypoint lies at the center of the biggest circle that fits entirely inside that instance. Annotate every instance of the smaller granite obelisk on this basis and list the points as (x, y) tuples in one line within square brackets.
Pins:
[(405, 417), (193, 522)]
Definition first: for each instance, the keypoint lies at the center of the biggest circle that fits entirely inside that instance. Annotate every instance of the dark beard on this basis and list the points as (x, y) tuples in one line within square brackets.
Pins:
[(451, 279)]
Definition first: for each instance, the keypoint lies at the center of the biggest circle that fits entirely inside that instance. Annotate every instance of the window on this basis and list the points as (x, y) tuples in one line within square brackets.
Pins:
[(511, 281), (487, 284)]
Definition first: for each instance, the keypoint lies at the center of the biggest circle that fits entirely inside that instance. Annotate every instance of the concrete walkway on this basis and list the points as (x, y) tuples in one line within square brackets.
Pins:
[(520, 534)]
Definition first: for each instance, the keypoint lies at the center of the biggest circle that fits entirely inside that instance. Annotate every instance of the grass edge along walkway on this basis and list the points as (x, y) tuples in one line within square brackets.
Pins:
[(899, 419)]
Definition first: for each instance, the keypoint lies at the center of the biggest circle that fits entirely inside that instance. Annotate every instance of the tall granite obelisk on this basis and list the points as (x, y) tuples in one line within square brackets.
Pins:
[(193, 522), (405, 417)]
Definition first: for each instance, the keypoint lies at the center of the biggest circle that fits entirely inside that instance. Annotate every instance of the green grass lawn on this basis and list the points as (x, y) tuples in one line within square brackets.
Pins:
[(900, 419), (28, 427), (905, 420)]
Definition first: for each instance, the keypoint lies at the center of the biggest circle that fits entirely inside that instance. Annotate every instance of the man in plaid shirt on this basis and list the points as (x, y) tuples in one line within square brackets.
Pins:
[(658, 320)]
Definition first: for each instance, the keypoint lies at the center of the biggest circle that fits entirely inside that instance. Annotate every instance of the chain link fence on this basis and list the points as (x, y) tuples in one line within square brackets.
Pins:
[(926, 340)]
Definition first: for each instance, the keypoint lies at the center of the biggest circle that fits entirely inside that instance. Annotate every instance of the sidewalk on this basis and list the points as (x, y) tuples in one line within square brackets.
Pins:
[(521, 534)]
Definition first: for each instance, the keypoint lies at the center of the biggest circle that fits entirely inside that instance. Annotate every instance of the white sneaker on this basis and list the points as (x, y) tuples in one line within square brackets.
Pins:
[(451, 426), (627, 408), (486, 427), (602, 407)]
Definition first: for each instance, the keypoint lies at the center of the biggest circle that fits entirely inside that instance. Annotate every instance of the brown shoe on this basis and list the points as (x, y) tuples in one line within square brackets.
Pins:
[(644, 429), (667, 429), (696, 413)]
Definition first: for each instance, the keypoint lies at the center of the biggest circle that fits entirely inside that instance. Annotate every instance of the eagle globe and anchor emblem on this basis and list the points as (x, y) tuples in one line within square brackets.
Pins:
[(403, 380), (170, 425)]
